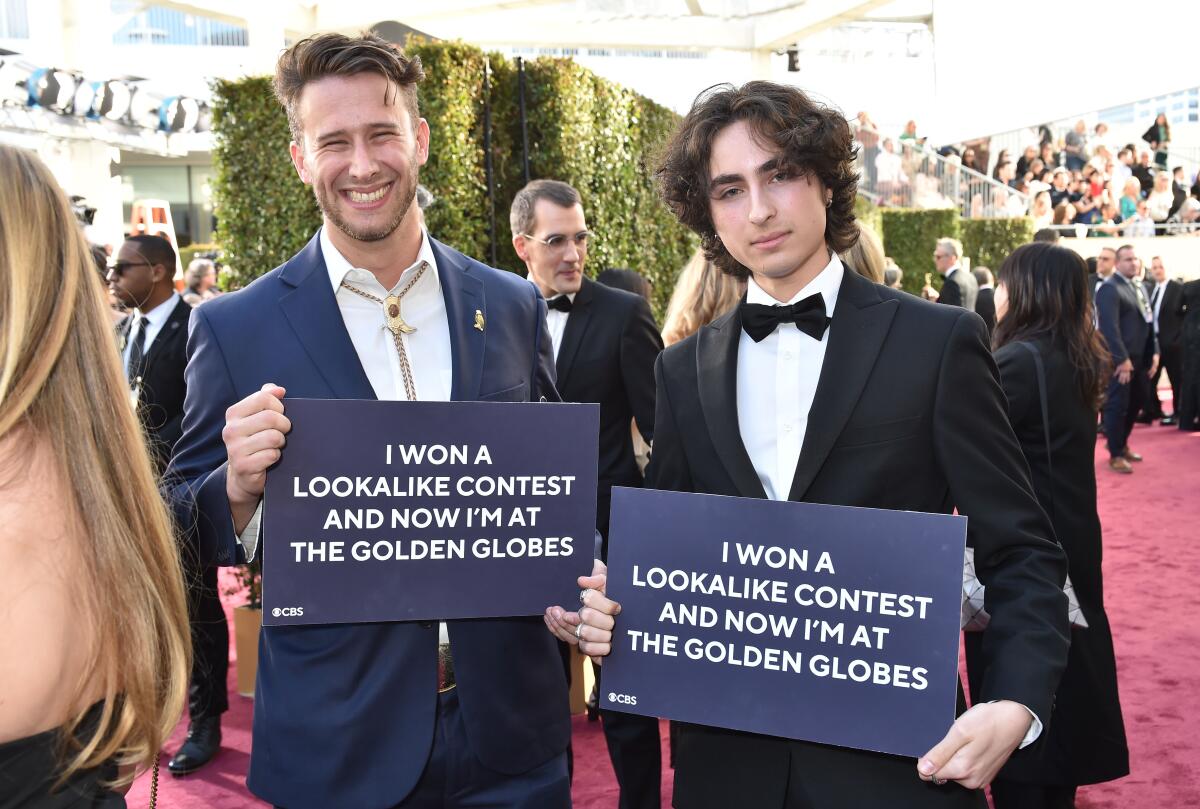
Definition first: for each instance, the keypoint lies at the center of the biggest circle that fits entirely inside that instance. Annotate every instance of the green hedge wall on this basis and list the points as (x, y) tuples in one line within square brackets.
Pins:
[(989, 241), (585, 130), (909, 237)]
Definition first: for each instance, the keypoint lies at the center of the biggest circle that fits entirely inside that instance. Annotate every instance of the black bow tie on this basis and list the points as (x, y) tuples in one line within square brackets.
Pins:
[(560, 303), (808, 315)]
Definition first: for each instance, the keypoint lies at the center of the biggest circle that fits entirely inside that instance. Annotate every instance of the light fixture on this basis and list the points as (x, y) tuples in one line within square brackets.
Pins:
[(52, 88), (179, 114), (112, 100)]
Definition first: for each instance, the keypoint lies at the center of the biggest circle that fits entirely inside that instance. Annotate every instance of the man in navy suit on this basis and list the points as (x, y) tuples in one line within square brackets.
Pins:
[(1126, 320), (370, 715)]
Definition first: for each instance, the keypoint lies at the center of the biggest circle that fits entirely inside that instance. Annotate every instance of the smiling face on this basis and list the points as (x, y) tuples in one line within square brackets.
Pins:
[(360, 152), (769, 216)]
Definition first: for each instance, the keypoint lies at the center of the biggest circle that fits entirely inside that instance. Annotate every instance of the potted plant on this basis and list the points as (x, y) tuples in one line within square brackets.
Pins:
[(247, 622)]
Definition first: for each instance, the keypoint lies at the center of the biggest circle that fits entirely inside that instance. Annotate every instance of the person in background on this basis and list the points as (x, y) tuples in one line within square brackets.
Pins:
[(1166, 302), (893, 276), (95, 630), (1046, 235), (1158, 135), (1040, 210), (1143, 170), (1189, 386), (701, 294), (958, 285), (1042, 304), (1140, 225), (867, 134), (1125, 319), (425, 198), (1160, 201), (1131, 192), (1106, 262), (865, 256), (1075, 147), (626, 279), (985, 304), (200, 282)]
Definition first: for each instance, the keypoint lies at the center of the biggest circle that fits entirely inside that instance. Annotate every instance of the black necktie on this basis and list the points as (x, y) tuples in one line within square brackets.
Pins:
[(137, 353), (808, 315), (560, 303), (1154, 297)]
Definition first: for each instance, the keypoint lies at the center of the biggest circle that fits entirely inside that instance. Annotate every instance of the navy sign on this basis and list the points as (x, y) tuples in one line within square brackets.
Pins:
[(823, 623), (403, 511)]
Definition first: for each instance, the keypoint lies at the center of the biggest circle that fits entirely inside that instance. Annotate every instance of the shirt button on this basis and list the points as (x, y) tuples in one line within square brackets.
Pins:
[(787, 355), (787, 428)]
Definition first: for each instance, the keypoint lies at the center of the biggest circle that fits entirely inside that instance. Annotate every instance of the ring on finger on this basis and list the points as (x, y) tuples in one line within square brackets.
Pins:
[(583, 596), (939, 781), (579, 632)]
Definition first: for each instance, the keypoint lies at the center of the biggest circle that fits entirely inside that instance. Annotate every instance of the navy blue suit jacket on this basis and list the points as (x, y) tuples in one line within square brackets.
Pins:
[(1122, 323), (344, 715)]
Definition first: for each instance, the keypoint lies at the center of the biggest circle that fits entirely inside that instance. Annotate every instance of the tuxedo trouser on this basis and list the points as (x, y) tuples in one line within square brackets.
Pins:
[(208, 693), (1121, 406), (1172, 358), (635, 749), (455, 779), (1014, 795)]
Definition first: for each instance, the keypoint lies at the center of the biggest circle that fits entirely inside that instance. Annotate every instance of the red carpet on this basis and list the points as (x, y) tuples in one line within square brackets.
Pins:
[(1151, 525)]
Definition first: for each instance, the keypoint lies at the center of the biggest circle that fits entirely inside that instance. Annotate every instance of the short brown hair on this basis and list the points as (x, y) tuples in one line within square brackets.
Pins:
[(325, 55), (811, 138), (521, 215)]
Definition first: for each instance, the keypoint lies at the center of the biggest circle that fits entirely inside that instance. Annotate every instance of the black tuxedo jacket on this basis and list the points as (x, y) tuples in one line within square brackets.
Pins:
[(1120, 319), (1170, 314), (607, 356), (909, 415), (160, 402), (959, 289), (985, 307)]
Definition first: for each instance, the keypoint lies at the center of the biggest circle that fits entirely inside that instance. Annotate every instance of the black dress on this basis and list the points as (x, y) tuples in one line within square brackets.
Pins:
[(29, 768), (1189, 388), (1085, 741)]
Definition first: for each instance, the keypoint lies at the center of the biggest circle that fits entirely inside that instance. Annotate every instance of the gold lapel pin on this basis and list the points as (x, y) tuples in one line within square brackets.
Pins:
[(479, 320)]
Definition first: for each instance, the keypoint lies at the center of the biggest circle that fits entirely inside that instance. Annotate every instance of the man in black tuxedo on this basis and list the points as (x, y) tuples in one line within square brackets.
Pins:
[(153, 341), (889, 403), (1166, 302), (958, 285), (605, 344), (985, 303), (1125, 319), (1106, 263)]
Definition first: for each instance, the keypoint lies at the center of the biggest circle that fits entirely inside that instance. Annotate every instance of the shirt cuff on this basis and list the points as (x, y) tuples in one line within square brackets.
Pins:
[(1035, 729), (249, 537)]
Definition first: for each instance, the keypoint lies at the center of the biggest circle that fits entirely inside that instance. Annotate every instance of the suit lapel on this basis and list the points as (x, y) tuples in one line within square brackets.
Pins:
[(577, 323), (174, 329), (861, 321), (311, 309), (716, 372), (464, 296)]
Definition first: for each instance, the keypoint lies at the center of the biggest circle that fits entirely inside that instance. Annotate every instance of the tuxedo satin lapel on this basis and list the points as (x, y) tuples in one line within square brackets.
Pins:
[(860, 323), (577, 323), (464, 296), (312, 311), (716, 372)]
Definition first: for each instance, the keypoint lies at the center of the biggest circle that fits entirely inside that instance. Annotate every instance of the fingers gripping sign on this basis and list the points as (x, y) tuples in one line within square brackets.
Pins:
[(977, 745), (254, 436), (591, 627)]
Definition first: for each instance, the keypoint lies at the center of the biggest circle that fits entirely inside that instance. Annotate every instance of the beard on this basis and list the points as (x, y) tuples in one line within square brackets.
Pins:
[(406, 193)]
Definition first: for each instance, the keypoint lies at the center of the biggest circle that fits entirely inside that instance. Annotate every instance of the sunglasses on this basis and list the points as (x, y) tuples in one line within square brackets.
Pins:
[(119, 267)]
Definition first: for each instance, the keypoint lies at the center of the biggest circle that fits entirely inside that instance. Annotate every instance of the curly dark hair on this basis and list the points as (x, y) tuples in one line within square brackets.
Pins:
[(812, 139)]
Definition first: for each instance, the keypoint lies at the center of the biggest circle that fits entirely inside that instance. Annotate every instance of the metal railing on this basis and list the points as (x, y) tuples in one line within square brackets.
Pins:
[(915, 176)]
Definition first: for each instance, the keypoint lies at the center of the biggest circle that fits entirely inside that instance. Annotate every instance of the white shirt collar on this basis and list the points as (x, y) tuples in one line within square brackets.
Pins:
[(827, 282), (159, 314), (338, 267)]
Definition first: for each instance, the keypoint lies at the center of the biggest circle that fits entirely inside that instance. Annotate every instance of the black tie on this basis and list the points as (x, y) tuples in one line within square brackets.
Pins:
[(808, 315), (137, 353), (560, 303), (1154, 297)]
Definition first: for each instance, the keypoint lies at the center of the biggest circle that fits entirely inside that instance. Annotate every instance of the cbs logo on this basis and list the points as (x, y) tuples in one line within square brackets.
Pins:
[(288, 612), (622, 699)]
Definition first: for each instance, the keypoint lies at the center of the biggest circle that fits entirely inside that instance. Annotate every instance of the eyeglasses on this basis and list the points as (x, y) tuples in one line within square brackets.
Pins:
[(118, 268), (558, 243)]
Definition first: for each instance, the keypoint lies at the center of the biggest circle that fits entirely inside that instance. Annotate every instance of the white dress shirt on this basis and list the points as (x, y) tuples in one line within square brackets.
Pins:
[(156, 318), (556, 324), (776, 383), (1160, 290)]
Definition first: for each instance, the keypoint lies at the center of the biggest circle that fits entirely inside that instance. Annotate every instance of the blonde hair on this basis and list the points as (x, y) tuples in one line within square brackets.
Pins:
[(865, 256), (701, 294), (60, 380)]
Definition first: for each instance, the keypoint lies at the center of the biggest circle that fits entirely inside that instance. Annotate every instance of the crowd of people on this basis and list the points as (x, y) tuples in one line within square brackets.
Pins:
[(1079, 183), (135, 507)]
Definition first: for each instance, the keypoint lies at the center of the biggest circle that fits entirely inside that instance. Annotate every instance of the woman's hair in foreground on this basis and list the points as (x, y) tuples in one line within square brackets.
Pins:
[(61, 386), (702, 293), (1047, 296), (865, 256), (810, 138)]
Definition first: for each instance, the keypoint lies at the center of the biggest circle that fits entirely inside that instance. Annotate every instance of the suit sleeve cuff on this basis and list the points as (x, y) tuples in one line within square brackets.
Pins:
[(249, 537), (1035, 729)]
